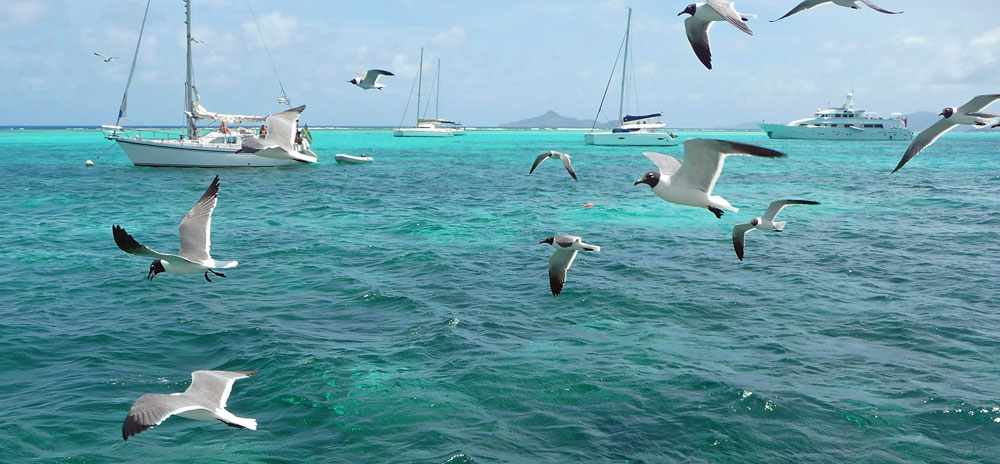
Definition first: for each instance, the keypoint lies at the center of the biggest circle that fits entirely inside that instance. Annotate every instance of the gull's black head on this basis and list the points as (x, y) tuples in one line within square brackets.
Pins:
[(947, 112), (651, 178), (155, 268), (353, 81), (755, 221), (548, 240), (689, 10)]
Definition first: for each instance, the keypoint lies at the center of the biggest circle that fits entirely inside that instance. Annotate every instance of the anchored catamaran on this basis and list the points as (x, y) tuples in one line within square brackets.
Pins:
[(638, 130)]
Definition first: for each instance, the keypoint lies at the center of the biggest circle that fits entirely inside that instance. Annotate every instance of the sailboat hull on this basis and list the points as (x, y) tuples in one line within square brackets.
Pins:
[(422, 132), (630, 139), (162, 153)]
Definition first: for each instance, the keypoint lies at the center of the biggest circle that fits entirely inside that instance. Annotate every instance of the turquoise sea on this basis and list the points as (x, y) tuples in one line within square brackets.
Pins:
[(400, 311)]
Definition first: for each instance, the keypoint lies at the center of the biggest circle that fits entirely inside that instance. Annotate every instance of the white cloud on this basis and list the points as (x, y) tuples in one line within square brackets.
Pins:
[(279, 30), (451, 37), (23, 14)]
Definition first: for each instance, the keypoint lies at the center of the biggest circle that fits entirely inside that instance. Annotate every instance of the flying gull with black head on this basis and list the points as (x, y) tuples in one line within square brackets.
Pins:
[(195, 231), (765, 222), (969, 114), (691, 182), (703, 14), (552, 153)]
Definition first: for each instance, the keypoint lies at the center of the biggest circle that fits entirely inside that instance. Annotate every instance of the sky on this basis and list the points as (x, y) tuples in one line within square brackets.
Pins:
[(500, 61)]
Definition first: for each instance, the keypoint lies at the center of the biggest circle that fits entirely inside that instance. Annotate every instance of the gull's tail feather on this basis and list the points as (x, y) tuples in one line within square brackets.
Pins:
[(779, 226), (240, 422), (720, 202), (226, 264)]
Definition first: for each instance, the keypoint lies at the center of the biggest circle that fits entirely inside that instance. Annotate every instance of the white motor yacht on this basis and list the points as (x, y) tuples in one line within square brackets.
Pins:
[(842, 123)]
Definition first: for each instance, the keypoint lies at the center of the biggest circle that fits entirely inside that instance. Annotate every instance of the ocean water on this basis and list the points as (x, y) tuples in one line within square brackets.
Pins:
[(400, 311)]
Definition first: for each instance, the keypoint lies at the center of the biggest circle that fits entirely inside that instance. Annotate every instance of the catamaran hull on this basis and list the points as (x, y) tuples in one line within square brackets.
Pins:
[(783, 131), (148, 153), (630, 139)]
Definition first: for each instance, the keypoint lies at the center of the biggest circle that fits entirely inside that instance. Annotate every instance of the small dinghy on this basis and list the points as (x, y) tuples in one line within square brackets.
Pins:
[(351, 159)]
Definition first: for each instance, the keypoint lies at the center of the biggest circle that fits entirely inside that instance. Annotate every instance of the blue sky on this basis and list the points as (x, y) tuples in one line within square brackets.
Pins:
[(501, 61)]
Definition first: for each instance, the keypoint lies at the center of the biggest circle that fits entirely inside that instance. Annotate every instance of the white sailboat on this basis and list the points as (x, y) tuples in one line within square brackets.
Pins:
[(281, 144), (429, 127), (633, 130)]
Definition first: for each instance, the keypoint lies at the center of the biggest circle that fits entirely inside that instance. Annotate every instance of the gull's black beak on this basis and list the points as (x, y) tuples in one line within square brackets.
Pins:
[(640, 181), (678, 14), (941, 113), (152, 273), (543, 241)]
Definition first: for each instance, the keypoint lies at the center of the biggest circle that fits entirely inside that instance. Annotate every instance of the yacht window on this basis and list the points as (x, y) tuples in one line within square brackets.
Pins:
[(879, 126), (833, 125)]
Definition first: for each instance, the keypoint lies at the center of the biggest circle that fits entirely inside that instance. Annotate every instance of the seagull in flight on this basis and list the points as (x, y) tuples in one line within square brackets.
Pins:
[(690, 183), (765, 222), (196, 40), (552, 153), (107, 59), (566, 248), (205, 400), (195, 231), (807, 4), (969, 114), (369, 80), (703, 14)]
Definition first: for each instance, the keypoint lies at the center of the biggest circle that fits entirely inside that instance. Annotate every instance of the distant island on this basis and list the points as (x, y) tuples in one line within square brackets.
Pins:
[(553, 120)]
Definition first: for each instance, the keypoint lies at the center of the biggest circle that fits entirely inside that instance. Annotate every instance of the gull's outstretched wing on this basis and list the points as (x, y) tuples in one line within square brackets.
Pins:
[(878, 8), (924, 139), (569, 167), (131, 246), (558, 265), (703, 160), (151, 410), (539, 159), (739, 235), (196, 228), (978, 103), (668, 165), (776, 206), (807, 4), (697, 34), (726, 10), (214, 386)]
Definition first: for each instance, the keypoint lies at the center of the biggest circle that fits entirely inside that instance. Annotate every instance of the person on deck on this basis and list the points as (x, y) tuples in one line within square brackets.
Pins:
[(262, 132), (223, 128)]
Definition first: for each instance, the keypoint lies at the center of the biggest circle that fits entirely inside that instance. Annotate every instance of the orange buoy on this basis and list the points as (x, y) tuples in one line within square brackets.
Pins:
[(588, 205)]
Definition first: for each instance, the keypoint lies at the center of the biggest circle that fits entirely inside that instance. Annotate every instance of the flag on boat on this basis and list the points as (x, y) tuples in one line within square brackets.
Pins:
[(306, 135)]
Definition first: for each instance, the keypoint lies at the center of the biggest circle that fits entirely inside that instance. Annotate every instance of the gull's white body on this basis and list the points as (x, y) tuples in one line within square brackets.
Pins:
[(690, 183)]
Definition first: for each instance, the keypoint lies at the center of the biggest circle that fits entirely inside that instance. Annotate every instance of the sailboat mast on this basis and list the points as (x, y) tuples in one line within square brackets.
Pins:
[(420, 82), (188, 96), (621, 99), (437, 93)]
